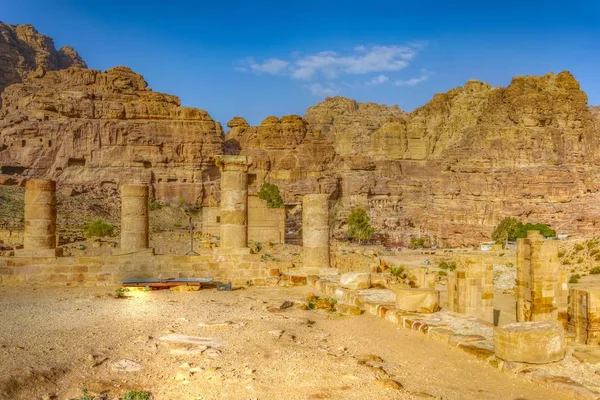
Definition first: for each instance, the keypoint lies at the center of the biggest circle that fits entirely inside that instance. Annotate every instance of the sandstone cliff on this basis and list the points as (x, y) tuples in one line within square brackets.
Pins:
[(449, 170), (88, 128), (24, 50)]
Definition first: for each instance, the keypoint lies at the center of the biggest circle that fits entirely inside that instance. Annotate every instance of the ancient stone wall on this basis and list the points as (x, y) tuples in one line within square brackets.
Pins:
[(471, 287), (110, 270), (541, 283), (264, 224), (584, 314)]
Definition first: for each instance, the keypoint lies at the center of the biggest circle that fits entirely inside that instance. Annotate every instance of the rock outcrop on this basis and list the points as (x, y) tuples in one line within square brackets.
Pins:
[(24, 50), (85, 127), (448, 171)]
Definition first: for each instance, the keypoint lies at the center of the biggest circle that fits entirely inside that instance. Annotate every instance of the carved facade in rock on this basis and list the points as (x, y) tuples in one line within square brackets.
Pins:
[(450, 170), (82, 126)]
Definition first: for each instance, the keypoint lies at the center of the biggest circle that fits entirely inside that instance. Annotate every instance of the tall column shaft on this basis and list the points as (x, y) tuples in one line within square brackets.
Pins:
[(315, 231), (134, 218), (234, 201), (40, 215)]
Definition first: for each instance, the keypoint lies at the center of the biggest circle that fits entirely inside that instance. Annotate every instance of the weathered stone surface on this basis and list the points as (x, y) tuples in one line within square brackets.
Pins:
[(472, 155), (355, 280), (87, 128), (530, 342), (24, 50), (417, 299)]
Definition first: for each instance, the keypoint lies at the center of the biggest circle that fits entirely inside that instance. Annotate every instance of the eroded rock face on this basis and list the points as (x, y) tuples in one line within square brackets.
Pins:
[(448, 171), (87, 127), (24, 50)]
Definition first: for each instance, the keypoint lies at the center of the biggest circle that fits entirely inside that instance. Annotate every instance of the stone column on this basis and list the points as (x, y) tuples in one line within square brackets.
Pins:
[(541, 285), (39, 239), (234, 203), (315, 232), (134, 218), (471, 288)]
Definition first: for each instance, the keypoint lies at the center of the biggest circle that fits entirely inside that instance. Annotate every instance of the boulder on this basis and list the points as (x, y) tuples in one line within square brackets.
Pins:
[(419, 300), (537, 342), (355, 280)]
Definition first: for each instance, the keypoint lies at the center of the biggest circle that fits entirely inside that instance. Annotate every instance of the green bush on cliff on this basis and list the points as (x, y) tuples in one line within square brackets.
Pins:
[(99, 228), (511, 229), (270, 193)]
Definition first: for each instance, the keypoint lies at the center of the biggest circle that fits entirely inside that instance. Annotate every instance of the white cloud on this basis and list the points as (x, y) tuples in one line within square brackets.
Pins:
[(378, 80), (412, 81), (332, 64), (322, 90), (272, 66)]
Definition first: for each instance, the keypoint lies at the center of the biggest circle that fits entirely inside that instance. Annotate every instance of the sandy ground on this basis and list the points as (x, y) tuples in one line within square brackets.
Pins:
[(60, 340)]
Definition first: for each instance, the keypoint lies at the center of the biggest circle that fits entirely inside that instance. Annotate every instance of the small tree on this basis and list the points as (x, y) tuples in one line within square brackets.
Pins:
[(99, 228), (359, 225), (510, 229), (270, 193), (506, 230)]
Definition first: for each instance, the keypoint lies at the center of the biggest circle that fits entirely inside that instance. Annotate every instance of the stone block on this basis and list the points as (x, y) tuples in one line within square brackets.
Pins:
[(417, 300), (536, 342), (356, 280), (346, 309)]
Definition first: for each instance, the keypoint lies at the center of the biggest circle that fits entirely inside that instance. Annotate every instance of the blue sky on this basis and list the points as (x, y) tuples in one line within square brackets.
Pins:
[(259, 58)]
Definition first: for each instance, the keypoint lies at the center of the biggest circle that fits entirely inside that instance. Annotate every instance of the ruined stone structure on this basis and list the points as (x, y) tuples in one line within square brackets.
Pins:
[(134, 218), (530, 342), (584, 314), (315, 232), (471, 288), (234, 203), (422, 300), (541, 283), (39, 238), (264, 224)]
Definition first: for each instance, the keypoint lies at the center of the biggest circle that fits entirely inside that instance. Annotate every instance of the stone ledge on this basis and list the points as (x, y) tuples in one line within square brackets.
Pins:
[(444, 326)]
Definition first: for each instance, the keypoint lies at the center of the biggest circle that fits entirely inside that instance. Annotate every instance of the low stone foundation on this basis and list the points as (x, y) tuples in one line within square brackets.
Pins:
[(110, 270)]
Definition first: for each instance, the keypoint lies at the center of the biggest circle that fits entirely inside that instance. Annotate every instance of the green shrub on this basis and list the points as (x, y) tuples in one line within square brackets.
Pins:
[(397, 271), (359, 225), (451, 266), (511, 229), (595, 270), (442, 273), (416, 243), (594, 252), (154, 204), (561, 253), (566, 262), (578, 247), (86, 395), (136, 395), (509, 264), (579, 260), (99, 228), (574, 278), (270, 193)]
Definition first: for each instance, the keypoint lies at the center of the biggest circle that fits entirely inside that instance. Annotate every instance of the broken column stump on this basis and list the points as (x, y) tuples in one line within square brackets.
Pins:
[(471, 288), (584, 314), (419, 300), (537, 342)]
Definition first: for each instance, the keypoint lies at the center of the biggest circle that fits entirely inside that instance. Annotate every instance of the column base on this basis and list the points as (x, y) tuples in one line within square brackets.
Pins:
[(39, 253), (140, 252)]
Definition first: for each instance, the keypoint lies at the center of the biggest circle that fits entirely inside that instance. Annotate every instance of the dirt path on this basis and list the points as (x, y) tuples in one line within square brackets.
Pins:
[(60, 340)]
